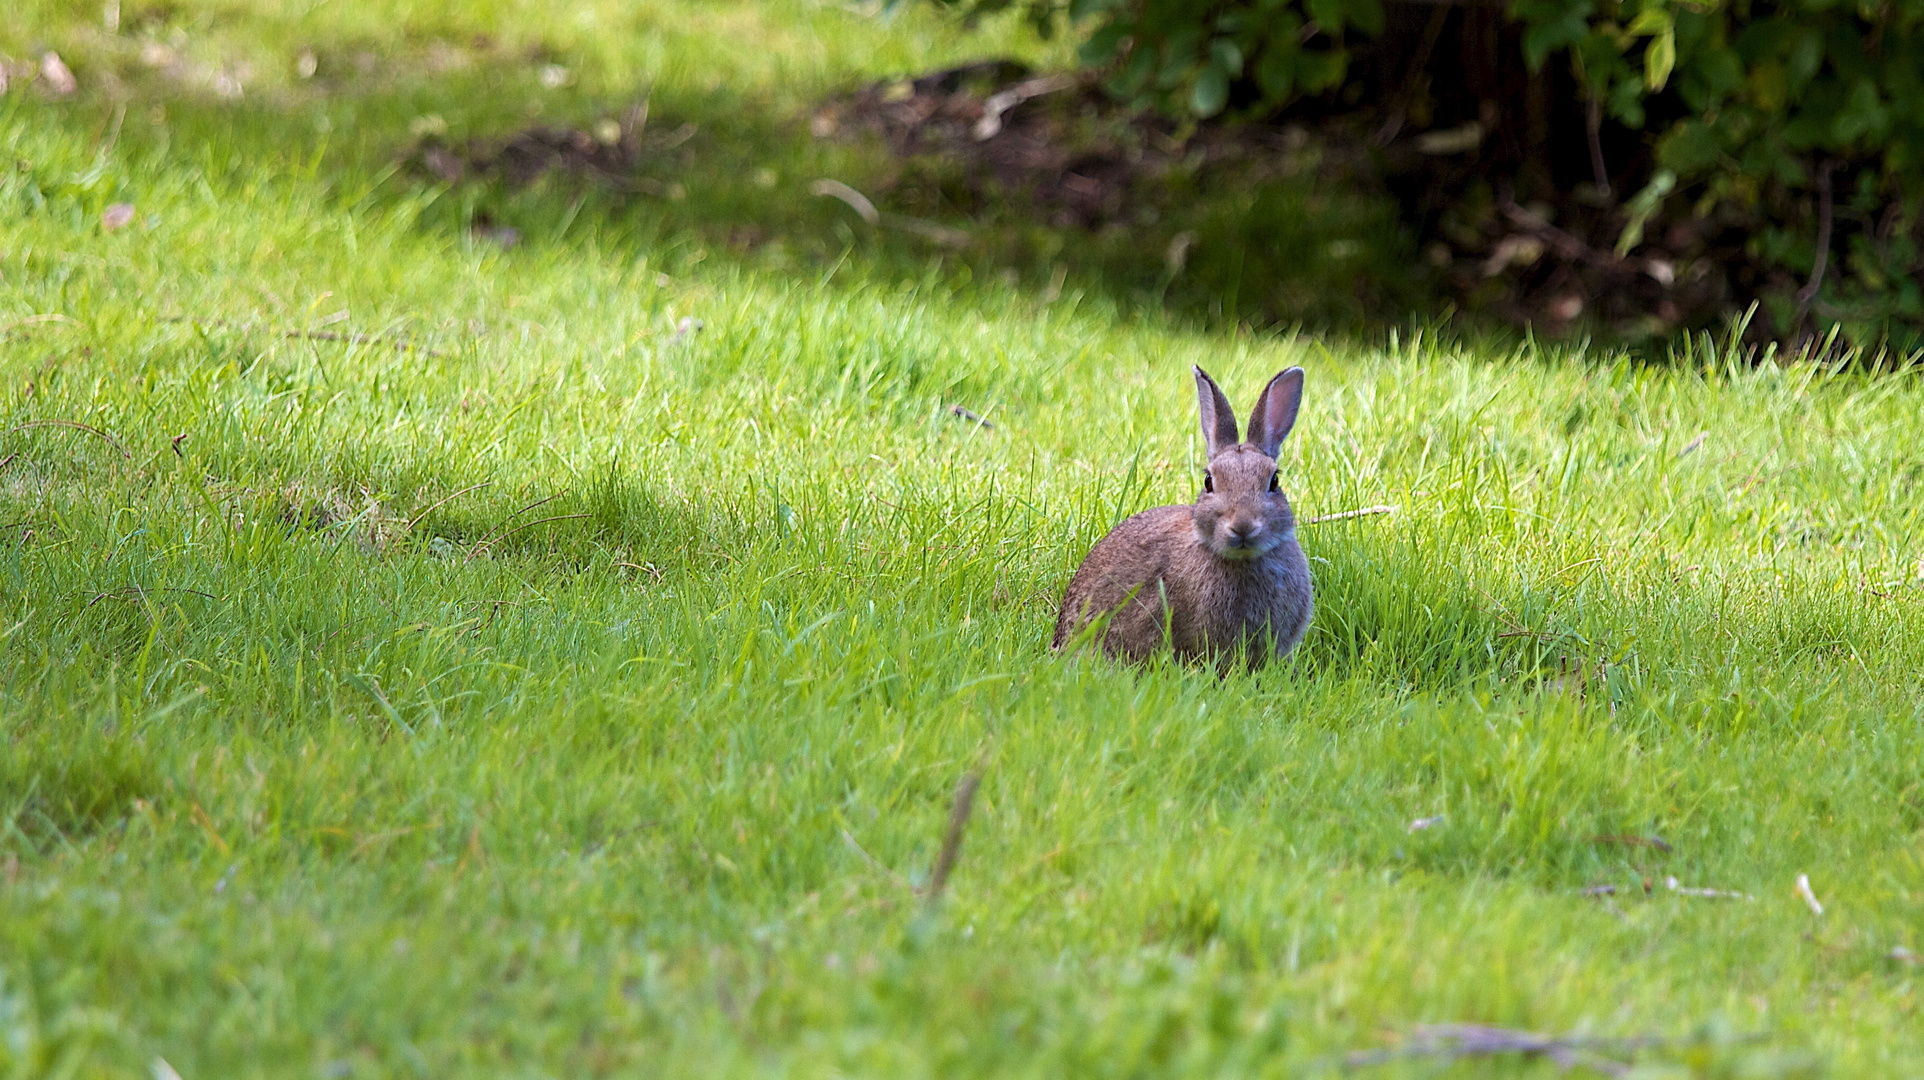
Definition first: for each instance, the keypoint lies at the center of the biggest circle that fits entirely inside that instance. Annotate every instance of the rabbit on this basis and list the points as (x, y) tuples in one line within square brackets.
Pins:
[(1219, 580)]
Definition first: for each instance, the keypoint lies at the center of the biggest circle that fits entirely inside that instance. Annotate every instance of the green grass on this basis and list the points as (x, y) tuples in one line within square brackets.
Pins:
[(316, 764)]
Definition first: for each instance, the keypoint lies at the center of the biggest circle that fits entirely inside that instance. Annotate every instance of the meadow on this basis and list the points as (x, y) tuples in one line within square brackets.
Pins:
[(427, 655)]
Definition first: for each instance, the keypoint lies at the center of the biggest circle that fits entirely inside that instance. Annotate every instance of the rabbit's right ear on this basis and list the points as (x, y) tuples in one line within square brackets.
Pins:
[(1218, 419)]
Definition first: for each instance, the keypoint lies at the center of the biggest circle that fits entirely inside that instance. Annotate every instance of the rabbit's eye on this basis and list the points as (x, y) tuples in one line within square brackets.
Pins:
[(1275, 484), (1209, 482)]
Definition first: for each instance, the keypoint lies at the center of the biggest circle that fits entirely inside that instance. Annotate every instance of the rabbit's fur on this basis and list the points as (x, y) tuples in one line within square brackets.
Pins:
[(1220, 580)]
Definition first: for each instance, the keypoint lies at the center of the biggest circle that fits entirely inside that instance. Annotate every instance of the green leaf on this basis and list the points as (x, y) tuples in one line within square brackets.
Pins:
[(1650, 22), (1659, 58), (1806, 56), (1211, 91), (1643, 204), (1863, 115), (1718, 68), (1552, 27), (1102, 45), (1276, 69), (1135, 74), (1321, 70), (1367, 16), (1227, 55), (1328, 14)]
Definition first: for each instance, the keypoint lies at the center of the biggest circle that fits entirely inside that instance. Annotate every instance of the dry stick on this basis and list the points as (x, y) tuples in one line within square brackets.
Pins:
[(1001, 102), (967, 413), (874, 863), (855, 200), (1593, 121), (489, 538), (316, 335), (1470, 1040), (1657, 842), (359, 339), (952, 842), (126, 591), (518, 528), (1364, 512), (47, 317), (409, 527), (1567, 244), (75, 425), (1808, 293), (1418, 64)]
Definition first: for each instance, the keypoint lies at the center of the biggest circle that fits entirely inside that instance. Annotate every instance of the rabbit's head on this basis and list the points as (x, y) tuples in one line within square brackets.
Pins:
[(1242, 512)]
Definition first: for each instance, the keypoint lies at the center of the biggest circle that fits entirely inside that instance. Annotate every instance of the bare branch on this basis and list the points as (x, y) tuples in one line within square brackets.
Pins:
[(952, 842)]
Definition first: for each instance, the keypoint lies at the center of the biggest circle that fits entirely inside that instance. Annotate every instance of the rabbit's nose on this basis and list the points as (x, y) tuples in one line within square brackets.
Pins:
[(1241, 531)]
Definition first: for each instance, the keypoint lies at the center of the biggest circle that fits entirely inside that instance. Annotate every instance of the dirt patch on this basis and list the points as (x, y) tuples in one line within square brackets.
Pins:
[(1061, 146), (611, 154), (1084, 161), (1333, 215)]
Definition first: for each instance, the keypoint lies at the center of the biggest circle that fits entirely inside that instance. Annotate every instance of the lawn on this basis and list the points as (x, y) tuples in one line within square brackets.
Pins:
[(430, 656)]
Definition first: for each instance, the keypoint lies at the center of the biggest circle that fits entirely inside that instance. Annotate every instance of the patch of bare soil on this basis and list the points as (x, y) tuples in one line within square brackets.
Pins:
[(987, 140), (1084, 161), (1061, 146), (611, 154)]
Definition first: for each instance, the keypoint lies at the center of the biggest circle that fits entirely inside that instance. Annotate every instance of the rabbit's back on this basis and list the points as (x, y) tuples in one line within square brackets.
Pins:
[(1124, 573)]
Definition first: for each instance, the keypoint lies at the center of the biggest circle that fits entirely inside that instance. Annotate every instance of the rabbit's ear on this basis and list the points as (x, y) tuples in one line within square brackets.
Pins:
[(1275, 411), (1218, 419)]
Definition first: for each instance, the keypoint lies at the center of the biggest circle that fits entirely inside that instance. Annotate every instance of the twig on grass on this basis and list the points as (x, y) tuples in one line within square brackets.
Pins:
[(74, 425), (1000, 103), (1809, 897), (490, 537), (853, 199), (1341, 515), (874, 863), (316, 335), (865, 209), (360, 339), (933, 231), (952, 841), (1657, 842), (541, 521), (967, 413), (409, 527), (1706, 894), (1452, 1041), (34, 320)]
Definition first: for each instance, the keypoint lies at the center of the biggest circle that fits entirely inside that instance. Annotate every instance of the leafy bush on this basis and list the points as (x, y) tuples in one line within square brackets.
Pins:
[(1798, 122)]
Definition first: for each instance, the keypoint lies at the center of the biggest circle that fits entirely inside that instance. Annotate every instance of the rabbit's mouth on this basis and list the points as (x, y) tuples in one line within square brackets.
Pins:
[(1243, 548), (1245, 545)]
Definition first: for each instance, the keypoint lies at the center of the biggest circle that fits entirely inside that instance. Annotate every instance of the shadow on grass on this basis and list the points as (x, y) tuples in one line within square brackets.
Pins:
[(493, 146), (56, 790)]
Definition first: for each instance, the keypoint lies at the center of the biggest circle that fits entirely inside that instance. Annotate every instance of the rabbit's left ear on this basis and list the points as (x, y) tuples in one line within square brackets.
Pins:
[(1275, 411)]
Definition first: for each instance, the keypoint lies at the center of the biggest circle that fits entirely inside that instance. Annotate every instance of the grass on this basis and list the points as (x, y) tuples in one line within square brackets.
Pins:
[(563, 696)]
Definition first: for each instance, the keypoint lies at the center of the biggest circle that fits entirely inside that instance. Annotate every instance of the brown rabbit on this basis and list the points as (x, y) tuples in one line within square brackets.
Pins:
[(1221, 579)]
